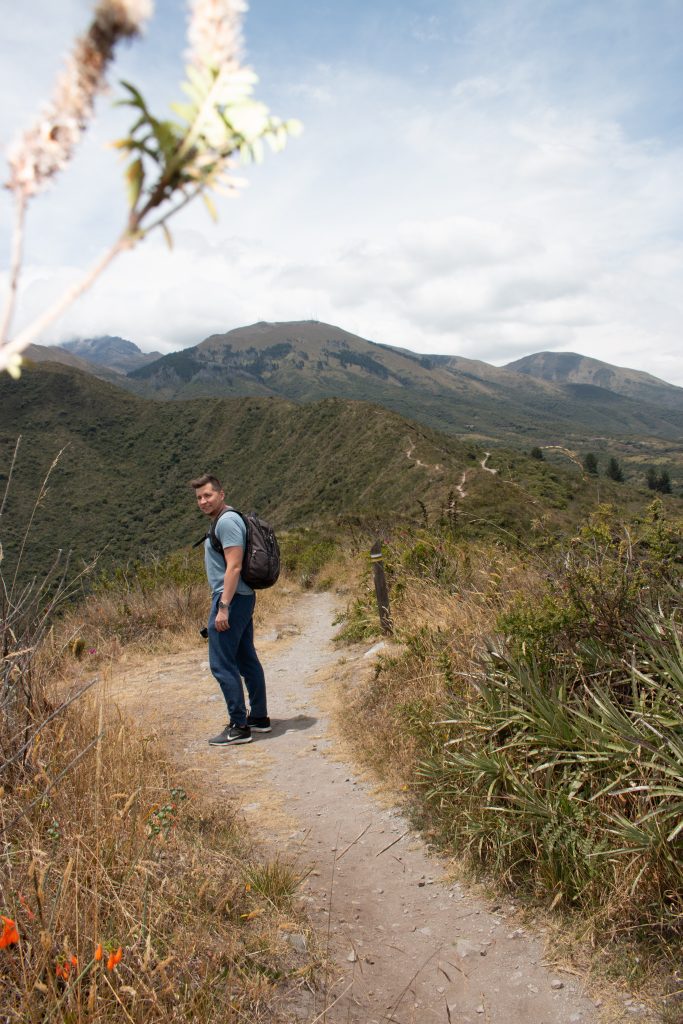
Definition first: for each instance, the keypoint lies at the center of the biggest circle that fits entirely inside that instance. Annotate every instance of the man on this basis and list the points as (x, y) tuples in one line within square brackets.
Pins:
[(231, 627)]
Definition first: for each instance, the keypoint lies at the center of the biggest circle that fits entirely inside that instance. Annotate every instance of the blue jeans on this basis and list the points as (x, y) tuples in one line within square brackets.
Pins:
[(232, 655)]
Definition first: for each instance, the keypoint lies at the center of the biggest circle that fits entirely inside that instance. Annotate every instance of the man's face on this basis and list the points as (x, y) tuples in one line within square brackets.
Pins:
[(210, 502)]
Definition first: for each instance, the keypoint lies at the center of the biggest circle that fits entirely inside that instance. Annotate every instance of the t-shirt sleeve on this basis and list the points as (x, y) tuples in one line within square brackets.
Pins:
[(230, 531)]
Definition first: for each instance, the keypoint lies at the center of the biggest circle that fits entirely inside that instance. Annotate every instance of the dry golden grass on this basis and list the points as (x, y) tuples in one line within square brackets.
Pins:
[(440, 635), (108, 625), (110, 851), (105, 849)]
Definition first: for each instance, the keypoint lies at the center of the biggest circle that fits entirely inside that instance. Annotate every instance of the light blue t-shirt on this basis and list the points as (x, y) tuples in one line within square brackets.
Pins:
[(232, 533)]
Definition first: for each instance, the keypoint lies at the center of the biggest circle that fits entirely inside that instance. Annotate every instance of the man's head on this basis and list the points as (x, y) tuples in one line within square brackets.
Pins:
[(209, 493)]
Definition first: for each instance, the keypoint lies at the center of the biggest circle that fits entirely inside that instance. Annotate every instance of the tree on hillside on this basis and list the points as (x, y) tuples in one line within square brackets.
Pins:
[(536, 453), (658, 481), (614, 470), (169, 162), (590, 464)]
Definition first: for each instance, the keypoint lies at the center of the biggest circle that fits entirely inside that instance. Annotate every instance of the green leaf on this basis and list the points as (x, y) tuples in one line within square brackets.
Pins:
[(164, 133), (135, 175), (294, 127), (136, 101), (249, 119), (195, 95), (202, 80)]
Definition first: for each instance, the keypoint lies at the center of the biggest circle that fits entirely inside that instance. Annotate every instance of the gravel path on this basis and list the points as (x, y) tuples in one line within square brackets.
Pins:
[(407, 944)]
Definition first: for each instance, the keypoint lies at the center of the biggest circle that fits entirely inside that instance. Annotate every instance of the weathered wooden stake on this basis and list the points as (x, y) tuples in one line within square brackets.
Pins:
[(381, 589)]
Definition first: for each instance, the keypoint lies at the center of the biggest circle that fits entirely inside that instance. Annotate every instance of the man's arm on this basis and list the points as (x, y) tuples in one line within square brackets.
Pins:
[(233, 567)]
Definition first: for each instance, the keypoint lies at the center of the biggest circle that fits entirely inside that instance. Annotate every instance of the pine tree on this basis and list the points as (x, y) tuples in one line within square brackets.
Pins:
[(658, 481), (664, 482), (590, 464), (614, 470)]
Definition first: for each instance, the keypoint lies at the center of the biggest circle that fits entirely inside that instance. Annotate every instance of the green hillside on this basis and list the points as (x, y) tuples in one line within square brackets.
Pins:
[(307, 361), (121, 484)]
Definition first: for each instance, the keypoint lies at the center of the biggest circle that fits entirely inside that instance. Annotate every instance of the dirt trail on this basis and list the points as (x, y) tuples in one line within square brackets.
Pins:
[(487, 456), (408, 945)]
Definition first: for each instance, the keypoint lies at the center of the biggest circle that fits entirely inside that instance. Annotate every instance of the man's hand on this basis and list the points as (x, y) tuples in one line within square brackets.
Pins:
[(222, 620)]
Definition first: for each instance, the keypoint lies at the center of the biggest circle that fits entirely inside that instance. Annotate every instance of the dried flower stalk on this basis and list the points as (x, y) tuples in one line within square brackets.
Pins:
[(215, 34), (46, 148)]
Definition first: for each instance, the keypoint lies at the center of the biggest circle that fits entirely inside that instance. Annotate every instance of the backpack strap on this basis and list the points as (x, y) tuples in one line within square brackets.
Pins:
[(211, 535)]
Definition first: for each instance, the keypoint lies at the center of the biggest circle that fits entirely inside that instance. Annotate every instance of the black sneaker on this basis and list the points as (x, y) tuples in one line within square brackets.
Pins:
[(258, 724), (231, 735)]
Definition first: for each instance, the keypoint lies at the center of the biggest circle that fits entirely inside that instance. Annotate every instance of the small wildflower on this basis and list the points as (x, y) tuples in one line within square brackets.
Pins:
[(92, 650), (29, 912), (98, 952), (9, 934), (63, 969), (114, 959), (247, 887)]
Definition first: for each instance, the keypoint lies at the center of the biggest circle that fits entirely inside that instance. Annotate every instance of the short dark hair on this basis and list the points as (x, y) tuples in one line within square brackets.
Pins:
[(205, 479)]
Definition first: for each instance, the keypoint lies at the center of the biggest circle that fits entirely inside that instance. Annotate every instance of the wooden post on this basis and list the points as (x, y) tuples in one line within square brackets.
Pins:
[(381, 589)]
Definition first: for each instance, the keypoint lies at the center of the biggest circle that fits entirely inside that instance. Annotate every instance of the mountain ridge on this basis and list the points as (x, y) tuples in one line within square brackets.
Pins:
[(572, 368), (310, 360), (110, 351)]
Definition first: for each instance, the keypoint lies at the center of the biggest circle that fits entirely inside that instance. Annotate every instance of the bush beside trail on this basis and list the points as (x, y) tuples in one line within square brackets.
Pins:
[(533, 711)]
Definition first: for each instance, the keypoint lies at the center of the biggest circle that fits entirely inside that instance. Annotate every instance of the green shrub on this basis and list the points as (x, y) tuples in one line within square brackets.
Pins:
[(595, 591), (181, 568), (359, 622), (305, 553)]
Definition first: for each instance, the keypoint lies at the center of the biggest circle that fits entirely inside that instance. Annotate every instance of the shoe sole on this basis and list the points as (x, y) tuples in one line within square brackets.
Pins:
[(261, 728), (230, 743)]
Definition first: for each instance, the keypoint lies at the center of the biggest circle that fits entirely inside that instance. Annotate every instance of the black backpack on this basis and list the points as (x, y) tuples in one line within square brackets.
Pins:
[(261, 561)]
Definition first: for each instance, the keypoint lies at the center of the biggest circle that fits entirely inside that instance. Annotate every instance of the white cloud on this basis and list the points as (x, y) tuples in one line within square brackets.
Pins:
[(481, 215)]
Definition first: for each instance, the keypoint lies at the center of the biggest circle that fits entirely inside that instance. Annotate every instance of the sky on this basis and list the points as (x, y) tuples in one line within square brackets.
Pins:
[(484, 178)]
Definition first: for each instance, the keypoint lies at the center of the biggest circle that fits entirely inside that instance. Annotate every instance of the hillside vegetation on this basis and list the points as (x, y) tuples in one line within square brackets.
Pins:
[(532, 711), (121, 483), (307, 361)]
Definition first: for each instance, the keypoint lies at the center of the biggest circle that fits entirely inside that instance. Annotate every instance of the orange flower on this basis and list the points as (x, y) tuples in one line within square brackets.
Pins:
[(63, 967), (9, 934), (98, 951), (114, 958), (31, 915)]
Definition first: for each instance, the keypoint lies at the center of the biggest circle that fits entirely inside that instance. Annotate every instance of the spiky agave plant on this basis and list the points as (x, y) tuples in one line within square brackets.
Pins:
[(579, 787)]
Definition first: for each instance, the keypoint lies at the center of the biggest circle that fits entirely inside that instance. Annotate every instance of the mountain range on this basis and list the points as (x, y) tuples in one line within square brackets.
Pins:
[(308, 421), (110, 352), (546, 399)]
